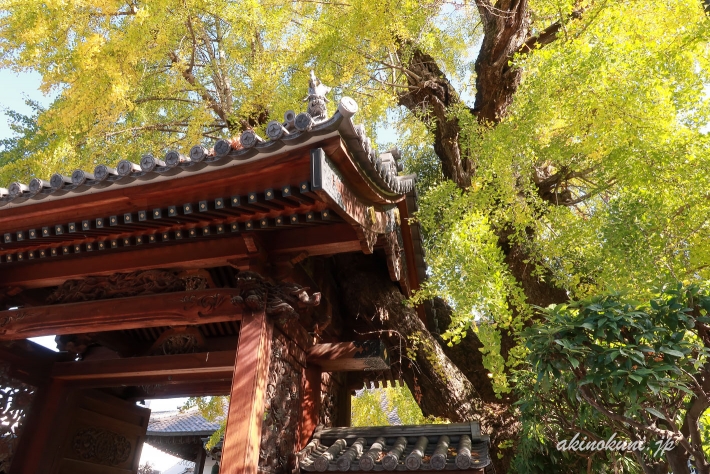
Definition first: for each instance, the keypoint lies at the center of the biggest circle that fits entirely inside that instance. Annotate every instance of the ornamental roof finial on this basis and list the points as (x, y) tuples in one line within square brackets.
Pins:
[(316, 98)]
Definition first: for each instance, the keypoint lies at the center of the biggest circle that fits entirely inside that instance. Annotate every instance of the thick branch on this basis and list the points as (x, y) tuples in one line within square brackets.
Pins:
[(546, 36), (368, 293), (432, 97)]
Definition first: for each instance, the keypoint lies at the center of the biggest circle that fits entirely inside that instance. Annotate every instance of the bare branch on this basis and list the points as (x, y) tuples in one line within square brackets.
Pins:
[(548, 35)]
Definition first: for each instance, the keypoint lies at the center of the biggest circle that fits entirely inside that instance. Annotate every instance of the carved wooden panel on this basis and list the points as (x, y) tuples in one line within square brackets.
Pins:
[(101, 446), (283, 407), (103, 434), (122, 285)]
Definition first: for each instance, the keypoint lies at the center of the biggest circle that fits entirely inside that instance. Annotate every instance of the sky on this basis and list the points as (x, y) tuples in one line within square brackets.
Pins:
[(14, 89)]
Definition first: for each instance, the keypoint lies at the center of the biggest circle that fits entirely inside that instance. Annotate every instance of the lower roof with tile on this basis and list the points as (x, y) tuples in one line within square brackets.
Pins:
[(423, 448), (177, 423)]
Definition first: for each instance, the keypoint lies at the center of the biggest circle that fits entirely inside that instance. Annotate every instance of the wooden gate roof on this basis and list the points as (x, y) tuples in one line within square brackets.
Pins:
[(213, 207), (295, 133)]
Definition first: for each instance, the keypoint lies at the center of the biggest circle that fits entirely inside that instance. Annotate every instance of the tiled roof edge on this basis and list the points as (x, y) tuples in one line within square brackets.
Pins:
[(381, 169)]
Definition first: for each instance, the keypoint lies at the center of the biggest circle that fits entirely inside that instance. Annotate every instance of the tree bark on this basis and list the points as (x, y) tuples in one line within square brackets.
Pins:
[(440, 387)]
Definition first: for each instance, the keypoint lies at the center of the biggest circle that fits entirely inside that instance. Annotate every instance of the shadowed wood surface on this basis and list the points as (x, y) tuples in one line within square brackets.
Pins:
[(349, 356), (240, 452), (180, 308)]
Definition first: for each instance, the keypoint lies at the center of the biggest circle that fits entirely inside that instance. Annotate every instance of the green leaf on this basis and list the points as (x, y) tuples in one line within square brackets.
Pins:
[(671, 352), (655, 412)]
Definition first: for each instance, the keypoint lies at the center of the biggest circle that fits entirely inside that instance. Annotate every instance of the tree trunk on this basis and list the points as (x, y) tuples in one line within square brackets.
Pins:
[(440, 387)]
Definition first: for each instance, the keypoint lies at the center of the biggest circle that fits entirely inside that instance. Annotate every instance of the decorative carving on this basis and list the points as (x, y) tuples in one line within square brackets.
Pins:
[(15, 400), (122, 285), (328, 399), (283, 404), (397, 265), (75, 344), (180, 344), (208, 303), (367, 238), (316, 98), (151, 389), (101, 446), (184, 340), (12, 317), (280, 300)]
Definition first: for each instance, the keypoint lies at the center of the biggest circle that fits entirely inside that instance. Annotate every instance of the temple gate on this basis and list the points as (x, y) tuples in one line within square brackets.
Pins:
[(207, 274)]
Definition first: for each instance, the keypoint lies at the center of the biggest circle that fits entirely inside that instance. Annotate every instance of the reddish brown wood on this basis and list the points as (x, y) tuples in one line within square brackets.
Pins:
[(130, 370), (29, 362), (200, 388), (240, 452), (335, 238), (288, 168), (168, 309), (32, 455), (344, 413), (310, 404), (349, 356), (321, 240), (55, 270), (367, 220), (114, 427), (353, 175)]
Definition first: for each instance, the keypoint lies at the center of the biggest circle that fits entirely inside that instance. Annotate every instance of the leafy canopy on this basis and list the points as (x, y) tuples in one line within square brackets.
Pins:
[(137, 77), (608, 364), (617, 108)]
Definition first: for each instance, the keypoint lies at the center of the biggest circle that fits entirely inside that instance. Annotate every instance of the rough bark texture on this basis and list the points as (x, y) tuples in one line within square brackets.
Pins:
[(438, 384), (431, 97), (465, 391), (505, 30)]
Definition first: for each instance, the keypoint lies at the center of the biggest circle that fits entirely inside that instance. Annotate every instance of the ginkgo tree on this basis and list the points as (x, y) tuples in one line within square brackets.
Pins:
[(561, 144)]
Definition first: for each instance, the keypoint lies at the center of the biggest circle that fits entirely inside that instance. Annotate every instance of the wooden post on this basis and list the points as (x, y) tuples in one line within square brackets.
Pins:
[(240, 452), (200, 461), (344, 403), (35, 452), (310, 405)]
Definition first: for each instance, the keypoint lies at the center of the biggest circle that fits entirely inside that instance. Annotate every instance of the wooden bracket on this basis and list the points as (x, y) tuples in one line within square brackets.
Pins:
[(368, 220), (349, 356), (396, 263)]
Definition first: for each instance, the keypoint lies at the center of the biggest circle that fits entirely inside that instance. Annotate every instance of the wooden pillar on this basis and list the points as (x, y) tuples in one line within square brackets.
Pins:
[(310, 405), (36, 452), (344, 402), (200, 461), (242, 437)]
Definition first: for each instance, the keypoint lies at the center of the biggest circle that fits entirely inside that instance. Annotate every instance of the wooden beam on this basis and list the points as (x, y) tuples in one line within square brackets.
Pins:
[(29, 362), (320, 240), (367, 220), (56, 270), (242, 438), (178, 390), (165, 309), (349, 356), (316, 240), (106, 372)]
